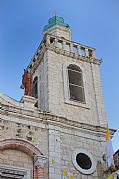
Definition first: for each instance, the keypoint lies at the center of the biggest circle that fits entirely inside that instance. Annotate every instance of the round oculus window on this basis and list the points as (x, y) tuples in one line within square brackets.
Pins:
[(84, 161)]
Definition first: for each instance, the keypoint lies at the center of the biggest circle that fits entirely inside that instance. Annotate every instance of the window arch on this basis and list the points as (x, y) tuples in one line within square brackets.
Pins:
[(76, 87), (35, 87)]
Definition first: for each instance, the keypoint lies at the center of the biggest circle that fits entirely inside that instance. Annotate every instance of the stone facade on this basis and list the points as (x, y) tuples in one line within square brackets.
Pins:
[(41, 142)]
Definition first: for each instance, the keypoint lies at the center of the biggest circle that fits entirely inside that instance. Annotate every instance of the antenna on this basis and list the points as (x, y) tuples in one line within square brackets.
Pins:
[(55, 12)]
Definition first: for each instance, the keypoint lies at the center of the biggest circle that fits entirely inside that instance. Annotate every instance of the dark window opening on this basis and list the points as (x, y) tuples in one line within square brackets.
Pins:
[(9, 175), (90, 53), (51, 40), (83, 161), (76, 93), (35, 87), (60, 41), (74, 78), (76, 87), (34, 59), (36, 105)]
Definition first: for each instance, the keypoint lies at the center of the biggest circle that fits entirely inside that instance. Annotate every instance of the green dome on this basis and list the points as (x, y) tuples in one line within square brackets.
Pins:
[(55, 21)]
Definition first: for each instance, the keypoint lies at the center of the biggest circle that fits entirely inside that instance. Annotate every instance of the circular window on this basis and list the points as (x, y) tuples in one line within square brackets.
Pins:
[(84, 161)]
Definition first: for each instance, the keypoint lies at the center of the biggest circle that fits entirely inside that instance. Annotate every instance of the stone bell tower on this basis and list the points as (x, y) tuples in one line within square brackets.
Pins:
[(67, 75)]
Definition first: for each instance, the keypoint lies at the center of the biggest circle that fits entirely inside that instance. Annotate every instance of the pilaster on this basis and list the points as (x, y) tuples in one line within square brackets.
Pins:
[(54, 153)]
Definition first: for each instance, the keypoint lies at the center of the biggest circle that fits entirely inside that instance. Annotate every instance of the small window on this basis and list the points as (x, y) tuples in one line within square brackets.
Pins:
[(9, 172), (8, 176), (83, 161), (35, 87), (76, 87)]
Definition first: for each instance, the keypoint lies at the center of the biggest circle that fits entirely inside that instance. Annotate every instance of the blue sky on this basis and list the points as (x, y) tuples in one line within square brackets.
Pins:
[(93, 22)]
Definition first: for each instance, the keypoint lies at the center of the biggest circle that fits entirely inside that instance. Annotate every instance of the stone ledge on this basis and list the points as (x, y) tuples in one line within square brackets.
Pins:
[(47, 118), (28, 101)]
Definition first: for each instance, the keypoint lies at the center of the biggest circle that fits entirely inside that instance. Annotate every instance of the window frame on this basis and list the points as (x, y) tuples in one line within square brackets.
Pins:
[(90, 155), (35, 82), (79, 86)]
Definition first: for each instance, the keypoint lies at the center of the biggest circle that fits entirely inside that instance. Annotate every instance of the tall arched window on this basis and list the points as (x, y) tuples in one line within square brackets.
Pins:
[(35, 87), (76, 87)]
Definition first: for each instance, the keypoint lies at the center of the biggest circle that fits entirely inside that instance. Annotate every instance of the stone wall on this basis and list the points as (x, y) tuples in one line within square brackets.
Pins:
[(63, 142), (59, 104)]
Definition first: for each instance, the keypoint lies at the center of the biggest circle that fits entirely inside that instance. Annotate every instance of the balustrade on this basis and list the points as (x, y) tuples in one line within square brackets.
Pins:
[(70, 47), (65, 47)]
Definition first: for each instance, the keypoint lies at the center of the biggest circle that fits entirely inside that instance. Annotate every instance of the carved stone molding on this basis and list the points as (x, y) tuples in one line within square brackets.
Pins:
[(39, 161), (20, 144)]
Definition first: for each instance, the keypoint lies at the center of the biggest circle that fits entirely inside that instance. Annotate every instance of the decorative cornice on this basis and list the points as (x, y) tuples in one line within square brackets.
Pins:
[(50, 119)]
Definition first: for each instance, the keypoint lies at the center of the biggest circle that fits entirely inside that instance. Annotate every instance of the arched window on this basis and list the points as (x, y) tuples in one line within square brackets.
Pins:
[(35, 87), (76, 87)]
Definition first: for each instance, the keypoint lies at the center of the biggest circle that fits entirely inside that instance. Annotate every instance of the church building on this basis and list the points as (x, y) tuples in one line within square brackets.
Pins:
[(57, 130)]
